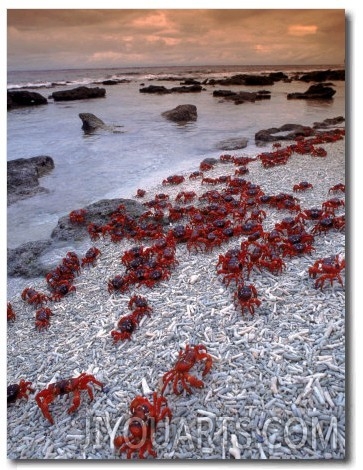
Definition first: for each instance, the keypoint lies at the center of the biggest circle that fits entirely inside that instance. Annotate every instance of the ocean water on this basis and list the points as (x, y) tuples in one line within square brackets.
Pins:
[(147, 148)]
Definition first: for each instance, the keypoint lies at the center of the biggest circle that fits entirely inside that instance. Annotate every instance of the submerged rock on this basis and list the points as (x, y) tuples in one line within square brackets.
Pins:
[(232, 144), (182, 113), (290, 132), (23, 261), (91, 122), (32, 259), (314, 92), (23, 176)]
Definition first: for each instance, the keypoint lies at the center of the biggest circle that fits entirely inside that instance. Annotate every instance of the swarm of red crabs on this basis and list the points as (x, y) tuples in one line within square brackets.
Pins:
[(230, 208)]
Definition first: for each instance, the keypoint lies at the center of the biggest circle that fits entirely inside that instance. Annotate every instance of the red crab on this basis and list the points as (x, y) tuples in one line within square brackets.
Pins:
[(195, 174), (231, 268), (17, 391), (329, 269), (72, 262), (126, 326), (327, 222), (32, 296), (94, 231), (246, 298), (295, 249), (205, 166), (140, 303), (337, 187), (78, 216), (145, 417), (90, 256), (185, 196), (302, 186), (319, 152), (174, 179), (118, 283), (332, 204), (61, 289), (45, 397), (10, 314), (42, 318), (180, 372), (140, 193)]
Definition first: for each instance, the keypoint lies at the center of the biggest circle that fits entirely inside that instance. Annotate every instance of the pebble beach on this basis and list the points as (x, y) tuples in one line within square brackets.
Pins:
[(276, 389)]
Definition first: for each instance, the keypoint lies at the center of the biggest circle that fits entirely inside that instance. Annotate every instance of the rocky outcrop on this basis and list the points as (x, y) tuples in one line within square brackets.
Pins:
[(20, 98), (79, 93), (242, 96), (24, 261), (291, 131), (329, 122), (285, 132), (182, 113), (314, 92), (232, 144), (249, 80), (162, 90), (23, 176), (323, 76), (34, 259), (97, 213)]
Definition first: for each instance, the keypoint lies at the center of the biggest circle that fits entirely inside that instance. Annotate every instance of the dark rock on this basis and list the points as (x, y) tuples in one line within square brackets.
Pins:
[(248, 80), (258, 80), (23, 176), (97, 213), (187, 89), (79, 93), (314, 92), (162, 90), (330, 122), (90, 122), (242, 96), (110, 82), (232, 144), (291, 131), (158, 89), (182, 113), (323, 76), (278, 76), (23, 261), (190, 81), (32, 259), (21, 98), (210, 161), (224, 93)]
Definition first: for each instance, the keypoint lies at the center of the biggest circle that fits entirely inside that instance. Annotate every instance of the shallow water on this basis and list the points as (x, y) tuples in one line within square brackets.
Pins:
[(146, 147)]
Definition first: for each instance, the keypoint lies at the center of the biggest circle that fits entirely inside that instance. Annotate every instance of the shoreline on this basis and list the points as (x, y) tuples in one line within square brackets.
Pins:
[(262, 367)]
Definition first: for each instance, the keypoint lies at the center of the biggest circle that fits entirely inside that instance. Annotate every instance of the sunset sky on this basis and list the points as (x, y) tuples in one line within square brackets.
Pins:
[(73, 38)]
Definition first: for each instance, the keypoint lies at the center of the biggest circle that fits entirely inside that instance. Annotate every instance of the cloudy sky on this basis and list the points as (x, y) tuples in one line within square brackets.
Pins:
[(72, 38)]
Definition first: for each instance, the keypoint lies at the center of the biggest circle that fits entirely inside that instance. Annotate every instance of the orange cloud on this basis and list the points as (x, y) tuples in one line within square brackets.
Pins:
[(301, 30), (156, 20)]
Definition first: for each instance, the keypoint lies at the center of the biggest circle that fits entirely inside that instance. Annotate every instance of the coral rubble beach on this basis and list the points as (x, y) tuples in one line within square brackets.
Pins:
[(276, 389)]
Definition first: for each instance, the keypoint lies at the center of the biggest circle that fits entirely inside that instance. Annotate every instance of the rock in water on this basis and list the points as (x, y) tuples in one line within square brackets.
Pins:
[(23, 176), (91, 122), (79, 93), (182, 113)]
